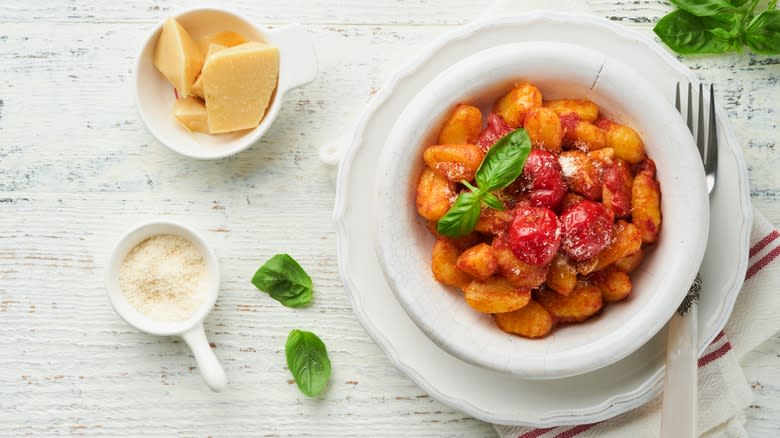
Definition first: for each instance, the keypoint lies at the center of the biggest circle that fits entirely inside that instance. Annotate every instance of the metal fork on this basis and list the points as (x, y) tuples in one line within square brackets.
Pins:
[(678, 414)]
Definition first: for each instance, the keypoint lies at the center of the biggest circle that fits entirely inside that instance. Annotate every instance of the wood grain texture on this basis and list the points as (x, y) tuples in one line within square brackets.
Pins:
[(77, 167)]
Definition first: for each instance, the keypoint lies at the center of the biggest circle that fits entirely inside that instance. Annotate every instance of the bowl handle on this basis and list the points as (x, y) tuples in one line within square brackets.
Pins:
[(298, 63), (209, 365)]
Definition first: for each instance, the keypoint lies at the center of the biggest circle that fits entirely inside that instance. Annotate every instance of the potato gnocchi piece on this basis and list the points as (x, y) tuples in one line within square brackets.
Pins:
[(544, 129), (514, 106), (444, 260), (624, 140), (518, 273), (435, 195), (583, 135), (495, 295), (614, 284), (585, 267), (530, 321), (455, 162), (463, 126), (584, 109), (646, 202), (492, 221), (584, 301), (630, 262), (626, 239), (605, 156), (581, 174), (562, 276), (617, 187), (478, 261)]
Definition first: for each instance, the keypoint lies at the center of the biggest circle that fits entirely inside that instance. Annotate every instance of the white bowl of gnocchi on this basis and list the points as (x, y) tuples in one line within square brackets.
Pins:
[(540, 212)]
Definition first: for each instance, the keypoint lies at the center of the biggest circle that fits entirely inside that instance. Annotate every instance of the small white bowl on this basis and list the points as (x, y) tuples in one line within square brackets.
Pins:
[(155, 96), (559, 70), (191, 330)]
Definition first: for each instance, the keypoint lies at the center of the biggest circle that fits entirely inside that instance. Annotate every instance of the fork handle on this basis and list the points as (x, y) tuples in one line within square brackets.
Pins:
[(678, 413)]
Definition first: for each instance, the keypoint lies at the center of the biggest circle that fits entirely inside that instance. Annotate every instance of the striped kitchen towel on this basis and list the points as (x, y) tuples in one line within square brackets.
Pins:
[(723, 391)]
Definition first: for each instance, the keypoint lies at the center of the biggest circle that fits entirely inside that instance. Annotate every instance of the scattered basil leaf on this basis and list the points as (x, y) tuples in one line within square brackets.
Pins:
[(492, 201), (771, 5), (687, 34), (284, 280), (462, 217), (737, 3), (504, 161), (704, 8), (307, 359), (763, 33)]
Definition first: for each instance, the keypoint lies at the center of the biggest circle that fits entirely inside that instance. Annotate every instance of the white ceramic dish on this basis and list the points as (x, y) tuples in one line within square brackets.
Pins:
[(559, 70), (191, 330), (155, 97), (487, 394)]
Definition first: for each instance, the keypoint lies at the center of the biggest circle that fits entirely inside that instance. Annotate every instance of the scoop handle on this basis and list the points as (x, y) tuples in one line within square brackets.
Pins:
[(209, 365), (298, 59)]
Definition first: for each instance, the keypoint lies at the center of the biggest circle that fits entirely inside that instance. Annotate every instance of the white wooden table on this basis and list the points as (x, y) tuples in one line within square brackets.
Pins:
[(77, 167)]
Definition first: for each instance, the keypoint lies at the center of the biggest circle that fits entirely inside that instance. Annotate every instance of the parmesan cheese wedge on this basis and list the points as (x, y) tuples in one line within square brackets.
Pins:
[(191, 113), (227, 39), (238, 83), (177, 56), (197, 87)]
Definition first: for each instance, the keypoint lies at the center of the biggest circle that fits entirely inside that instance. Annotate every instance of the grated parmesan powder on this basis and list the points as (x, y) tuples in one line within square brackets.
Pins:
[(163, 278)]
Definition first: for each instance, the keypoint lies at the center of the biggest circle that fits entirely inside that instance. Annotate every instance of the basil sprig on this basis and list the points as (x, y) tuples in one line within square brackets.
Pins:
[(720, 26), (501, 166), (284, 280), (307, 359)]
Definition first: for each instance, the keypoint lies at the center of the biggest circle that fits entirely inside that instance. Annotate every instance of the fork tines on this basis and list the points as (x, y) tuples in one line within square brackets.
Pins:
[(707, 145)]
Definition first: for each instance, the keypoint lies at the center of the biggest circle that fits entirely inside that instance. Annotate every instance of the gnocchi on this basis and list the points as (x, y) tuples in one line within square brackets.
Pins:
[(463, 126), (530, 321), (478, 261), (444, 264), (514, 106), (435, 195), (544, 129), (574, 225), (455, 162), (495, 295)]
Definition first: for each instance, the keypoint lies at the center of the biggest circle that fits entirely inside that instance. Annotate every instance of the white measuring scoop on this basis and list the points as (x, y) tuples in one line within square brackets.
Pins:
[(191, 329)]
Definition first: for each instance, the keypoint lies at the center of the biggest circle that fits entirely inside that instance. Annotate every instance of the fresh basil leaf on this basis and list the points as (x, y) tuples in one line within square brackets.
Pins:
[(462, 217), (470, 187), (284, 280), (688, 34), (492, 201), (737, 3), (763, 33), (704, 8), (771, 5), (307, 359), (504, 161)]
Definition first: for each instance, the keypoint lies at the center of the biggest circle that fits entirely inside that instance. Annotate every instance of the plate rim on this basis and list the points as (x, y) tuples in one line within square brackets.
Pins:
[(618, 403)]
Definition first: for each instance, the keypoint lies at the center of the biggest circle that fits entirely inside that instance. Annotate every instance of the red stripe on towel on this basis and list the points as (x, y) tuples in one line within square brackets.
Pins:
[(717, 338), (759, 265), (576, 430), (707, 358), (536, 433), (764, 242)]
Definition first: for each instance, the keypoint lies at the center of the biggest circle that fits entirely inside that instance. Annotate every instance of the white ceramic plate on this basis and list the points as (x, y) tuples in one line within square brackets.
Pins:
[(490, 395)]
